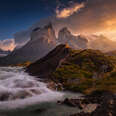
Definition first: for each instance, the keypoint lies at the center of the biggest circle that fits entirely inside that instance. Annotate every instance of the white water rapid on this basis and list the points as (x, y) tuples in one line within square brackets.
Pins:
[(18, 89)]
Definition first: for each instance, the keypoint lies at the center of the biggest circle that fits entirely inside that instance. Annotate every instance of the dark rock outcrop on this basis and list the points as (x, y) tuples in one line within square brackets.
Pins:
[(46, 65), (72, 102), (107, 105), (81, 114)]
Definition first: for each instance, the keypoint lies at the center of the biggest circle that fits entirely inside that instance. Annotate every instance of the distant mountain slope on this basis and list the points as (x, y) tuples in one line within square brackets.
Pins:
[(4, 53), (102, 43), (111, 53), (42, 41)]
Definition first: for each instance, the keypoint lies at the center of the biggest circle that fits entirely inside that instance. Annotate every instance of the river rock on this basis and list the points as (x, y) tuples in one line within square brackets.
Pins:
[(107, 107), (35, 91), (100, 104), (4, 96), (55, 86), (20, 95), (90, 108), (72, 102), (81, 114)]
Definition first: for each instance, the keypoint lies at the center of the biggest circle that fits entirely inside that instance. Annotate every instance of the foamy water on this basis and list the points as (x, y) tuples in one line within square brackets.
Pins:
[(19, 90)]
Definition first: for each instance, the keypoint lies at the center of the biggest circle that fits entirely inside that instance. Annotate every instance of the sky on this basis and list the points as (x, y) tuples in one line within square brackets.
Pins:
[(17, 15), (80, 16)]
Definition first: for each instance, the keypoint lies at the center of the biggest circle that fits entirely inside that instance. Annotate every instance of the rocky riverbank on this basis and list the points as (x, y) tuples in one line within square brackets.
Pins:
[(96, 104)]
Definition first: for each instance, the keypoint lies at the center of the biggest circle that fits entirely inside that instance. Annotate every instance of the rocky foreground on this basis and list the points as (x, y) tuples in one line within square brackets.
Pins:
[(96, 104)]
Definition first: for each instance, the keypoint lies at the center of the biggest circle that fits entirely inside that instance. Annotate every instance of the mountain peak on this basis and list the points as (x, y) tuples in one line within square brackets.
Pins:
[(64, 35), (49, 25), (45, 33)]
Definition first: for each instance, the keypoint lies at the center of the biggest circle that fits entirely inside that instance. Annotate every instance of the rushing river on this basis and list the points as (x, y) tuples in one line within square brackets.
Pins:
[(24, 95)]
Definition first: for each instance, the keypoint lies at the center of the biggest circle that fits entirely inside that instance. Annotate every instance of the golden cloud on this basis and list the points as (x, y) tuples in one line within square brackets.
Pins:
[(66, 12), (8, 44)]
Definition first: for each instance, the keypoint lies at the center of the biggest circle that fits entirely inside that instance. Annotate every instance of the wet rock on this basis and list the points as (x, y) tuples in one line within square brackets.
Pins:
[(59, 87), (107, 107), (21, 84), (69, 102), (20, 95), (99, 97), (34, 91), (99, 104), (51, 85), (4, 96), (81, 114), (38, 110), (72, 102), (90, 108), (55, 86)]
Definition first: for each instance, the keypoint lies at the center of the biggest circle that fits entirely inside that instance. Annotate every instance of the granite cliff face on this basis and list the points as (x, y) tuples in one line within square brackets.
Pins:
[(95, 42), (42, 41), (75, 42)]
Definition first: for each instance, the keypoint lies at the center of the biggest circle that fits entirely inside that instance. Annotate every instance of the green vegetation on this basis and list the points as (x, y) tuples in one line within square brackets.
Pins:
[(86, 71)]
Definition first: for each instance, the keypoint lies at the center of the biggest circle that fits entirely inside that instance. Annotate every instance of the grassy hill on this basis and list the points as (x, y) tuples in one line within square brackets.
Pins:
[(77, 70)]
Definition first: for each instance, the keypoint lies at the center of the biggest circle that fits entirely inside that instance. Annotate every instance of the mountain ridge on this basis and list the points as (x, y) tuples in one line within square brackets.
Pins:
[(43, 40)]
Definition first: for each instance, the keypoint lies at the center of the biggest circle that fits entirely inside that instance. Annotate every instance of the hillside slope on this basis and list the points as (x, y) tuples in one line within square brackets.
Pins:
[(77, 70)]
